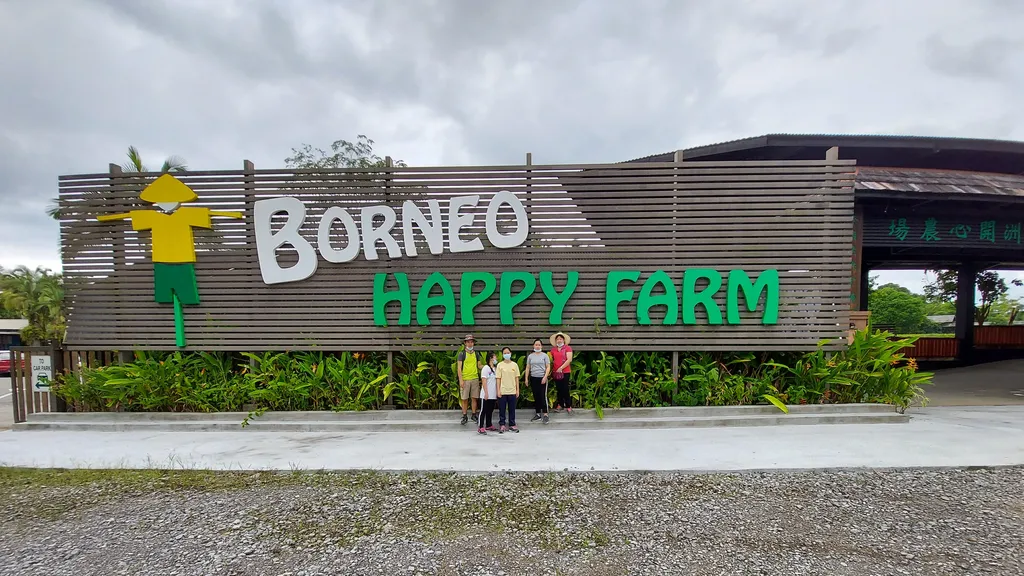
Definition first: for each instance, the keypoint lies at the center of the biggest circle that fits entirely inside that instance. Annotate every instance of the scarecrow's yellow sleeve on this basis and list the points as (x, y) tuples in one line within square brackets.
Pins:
[(173, 242)]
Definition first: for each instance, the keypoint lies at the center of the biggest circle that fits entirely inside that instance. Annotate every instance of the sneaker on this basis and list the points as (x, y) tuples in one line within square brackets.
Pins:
[(569, 411), (476, 417), (465, 419), (515, 429), (482, 431), (502, 430), (535, 418), (545, 418), (557, 409), (492, 429)]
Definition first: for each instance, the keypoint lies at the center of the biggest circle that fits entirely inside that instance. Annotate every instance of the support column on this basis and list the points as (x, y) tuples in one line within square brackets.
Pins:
[(965, 278), (865, 288), (857, 291)]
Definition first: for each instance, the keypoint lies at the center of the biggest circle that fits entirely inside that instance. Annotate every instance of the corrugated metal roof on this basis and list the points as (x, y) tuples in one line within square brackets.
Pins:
[(895, 164), (854, 140), (938, 181)]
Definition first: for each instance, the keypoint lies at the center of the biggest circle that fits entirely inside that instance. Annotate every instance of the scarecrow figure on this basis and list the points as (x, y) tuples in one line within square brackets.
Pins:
[(174, 250)]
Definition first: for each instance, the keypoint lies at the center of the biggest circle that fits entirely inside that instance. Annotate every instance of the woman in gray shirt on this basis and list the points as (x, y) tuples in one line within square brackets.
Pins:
[(538, 368)]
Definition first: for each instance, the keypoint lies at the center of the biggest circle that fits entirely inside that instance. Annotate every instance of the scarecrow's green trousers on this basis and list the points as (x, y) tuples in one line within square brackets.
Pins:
[(171, 279)]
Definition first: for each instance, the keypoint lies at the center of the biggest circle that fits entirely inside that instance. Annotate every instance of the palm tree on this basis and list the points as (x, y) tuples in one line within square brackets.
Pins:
[(134, 165), (38, 296)]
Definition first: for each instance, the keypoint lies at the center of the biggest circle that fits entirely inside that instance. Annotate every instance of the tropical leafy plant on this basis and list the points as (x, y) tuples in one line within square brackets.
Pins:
[(38, 296), (873, 368), (134, 165)]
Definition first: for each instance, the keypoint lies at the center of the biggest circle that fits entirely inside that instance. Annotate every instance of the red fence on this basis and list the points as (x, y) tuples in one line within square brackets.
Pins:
[(999, 336), (991, 337), (933, 348)]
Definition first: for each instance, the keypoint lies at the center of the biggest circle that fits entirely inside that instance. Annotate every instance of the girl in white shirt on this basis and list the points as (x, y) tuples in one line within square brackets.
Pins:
[(488, 395)]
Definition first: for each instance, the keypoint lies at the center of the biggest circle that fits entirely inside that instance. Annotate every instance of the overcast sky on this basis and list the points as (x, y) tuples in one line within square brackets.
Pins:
[(469, 81)]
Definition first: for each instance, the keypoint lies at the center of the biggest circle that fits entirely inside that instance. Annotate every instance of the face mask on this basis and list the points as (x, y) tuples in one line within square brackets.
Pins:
[(494, 361), (560, 344), (469, 348), (507, 356), (536, 349)]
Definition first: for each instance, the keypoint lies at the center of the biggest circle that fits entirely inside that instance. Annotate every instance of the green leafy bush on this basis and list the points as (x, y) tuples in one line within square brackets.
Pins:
[(871, 369), (218, 382)]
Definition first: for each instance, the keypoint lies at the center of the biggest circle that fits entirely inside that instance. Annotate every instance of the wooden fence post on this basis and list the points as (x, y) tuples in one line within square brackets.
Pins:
[(391, 376), (15, 386), (388, 164), (675, 368), (57, 404)]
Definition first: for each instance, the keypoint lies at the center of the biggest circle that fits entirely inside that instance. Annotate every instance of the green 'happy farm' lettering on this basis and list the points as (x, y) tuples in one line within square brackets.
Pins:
[(698, 289)]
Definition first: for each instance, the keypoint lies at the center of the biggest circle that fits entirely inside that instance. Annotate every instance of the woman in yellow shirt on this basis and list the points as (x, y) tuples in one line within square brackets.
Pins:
[(508, 390)]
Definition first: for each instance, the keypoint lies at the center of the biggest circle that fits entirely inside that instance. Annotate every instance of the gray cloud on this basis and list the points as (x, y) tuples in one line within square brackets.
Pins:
[(989, 58), (463, 81)]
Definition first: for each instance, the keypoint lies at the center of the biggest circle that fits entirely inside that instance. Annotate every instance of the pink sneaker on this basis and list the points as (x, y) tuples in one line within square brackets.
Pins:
[(482, 431)]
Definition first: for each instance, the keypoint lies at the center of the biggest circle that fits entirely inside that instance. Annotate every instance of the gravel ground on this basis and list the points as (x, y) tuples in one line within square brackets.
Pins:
[(176, 523)]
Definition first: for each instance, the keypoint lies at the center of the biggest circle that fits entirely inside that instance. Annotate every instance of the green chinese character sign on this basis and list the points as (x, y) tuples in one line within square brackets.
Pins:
[(933, 230), (899, 229)]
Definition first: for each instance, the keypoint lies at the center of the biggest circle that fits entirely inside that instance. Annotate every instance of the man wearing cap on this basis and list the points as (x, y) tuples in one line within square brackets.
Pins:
[(561, 362), (468, 366)]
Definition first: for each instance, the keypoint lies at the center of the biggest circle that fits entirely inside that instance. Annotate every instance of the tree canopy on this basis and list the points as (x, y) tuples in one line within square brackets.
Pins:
[(343, 154), (907, 312), (989, 284), (896, 306), (38, 296)]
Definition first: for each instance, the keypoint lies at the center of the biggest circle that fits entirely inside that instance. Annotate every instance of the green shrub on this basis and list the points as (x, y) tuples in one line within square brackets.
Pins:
[(871, 369), (218, 382)]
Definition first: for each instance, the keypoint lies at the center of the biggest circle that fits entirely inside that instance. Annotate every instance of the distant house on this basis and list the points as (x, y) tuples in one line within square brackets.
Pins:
[(10, 332), (944, 320)]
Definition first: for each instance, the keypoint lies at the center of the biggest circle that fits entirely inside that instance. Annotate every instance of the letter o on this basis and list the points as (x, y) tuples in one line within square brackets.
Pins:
[(491, 221), (323, 236)]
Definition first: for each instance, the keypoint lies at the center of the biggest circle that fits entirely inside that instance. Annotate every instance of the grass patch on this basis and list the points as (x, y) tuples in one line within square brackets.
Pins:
[(13, 479), (53, 493)]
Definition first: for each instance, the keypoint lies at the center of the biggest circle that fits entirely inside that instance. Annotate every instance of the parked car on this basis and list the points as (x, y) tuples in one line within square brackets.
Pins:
[(5, 363)]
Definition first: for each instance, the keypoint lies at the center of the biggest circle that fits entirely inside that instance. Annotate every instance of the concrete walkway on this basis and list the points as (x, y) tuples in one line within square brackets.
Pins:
[(995, 384), (935, 437)]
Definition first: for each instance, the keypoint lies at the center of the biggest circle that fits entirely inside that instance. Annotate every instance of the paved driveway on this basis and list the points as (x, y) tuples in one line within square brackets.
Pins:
[(994, 384), (934, 437)]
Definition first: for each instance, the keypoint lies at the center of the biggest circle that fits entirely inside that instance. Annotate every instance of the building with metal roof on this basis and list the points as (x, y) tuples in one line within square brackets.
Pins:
[(10, 332), (921, 202)]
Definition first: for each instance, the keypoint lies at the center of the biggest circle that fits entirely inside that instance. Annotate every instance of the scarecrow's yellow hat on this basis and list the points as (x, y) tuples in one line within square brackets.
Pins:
[(167, 188)]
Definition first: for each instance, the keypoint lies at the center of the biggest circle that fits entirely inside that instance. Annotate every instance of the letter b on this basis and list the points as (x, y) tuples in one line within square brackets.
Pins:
[(268, 241)]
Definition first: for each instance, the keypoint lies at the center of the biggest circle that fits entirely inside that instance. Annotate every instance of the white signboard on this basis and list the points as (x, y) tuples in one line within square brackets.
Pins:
[(42, 373)]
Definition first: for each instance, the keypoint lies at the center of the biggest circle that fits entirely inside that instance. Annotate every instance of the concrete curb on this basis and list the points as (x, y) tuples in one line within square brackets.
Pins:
[(447, 420)]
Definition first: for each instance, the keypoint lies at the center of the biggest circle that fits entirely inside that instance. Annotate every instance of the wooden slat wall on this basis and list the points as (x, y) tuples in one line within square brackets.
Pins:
[(795, 216)]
